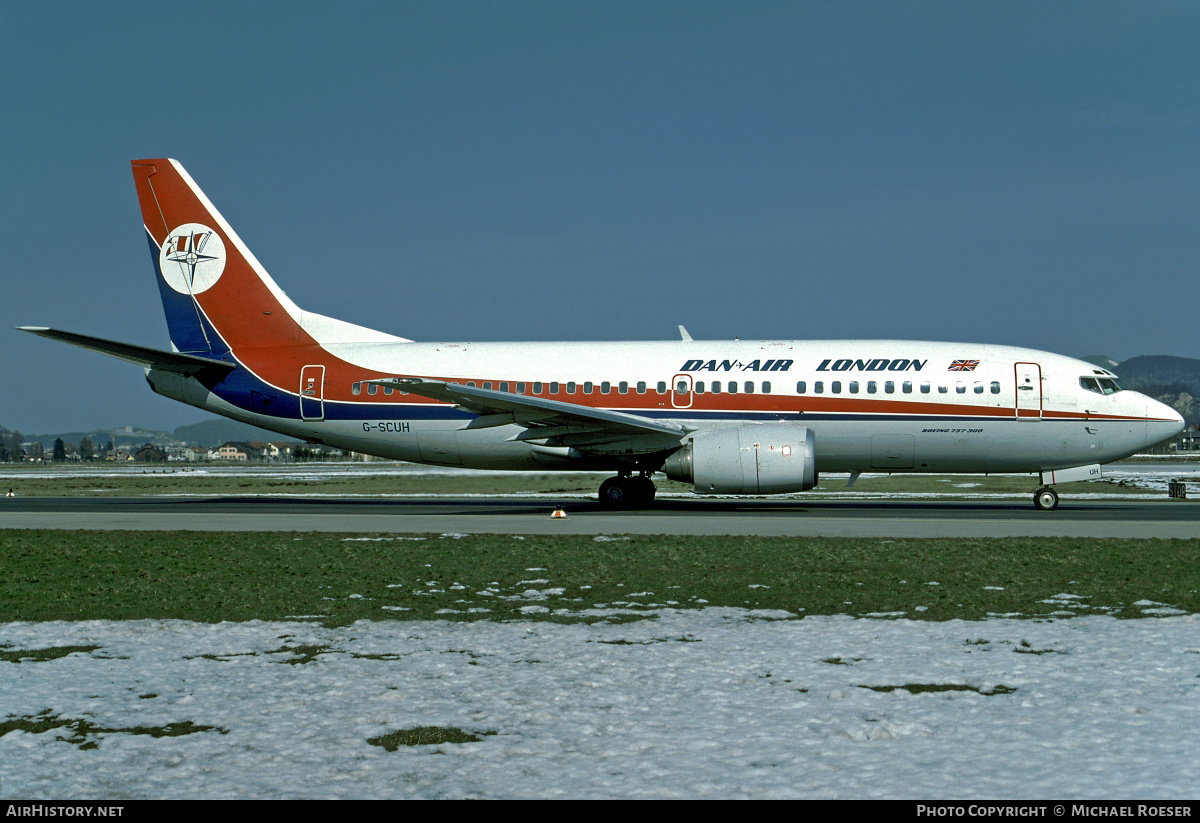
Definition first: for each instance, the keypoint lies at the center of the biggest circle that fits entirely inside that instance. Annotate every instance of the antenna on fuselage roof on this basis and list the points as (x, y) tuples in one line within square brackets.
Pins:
[(683, 333)]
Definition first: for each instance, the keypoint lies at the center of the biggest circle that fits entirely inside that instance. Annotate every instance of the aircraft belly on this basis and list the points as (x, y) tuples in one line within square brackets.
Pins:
[(969, 446)]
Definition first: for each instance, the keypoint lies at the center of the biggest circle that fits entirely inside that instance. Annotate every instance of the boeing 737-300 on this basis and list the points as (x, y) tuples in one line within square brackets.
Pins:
[(735, 417)]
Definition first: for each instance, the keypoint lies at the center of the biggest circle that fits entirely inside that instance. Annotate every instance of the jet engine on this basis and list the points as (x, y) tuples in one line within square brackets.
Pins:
[(760, 458)]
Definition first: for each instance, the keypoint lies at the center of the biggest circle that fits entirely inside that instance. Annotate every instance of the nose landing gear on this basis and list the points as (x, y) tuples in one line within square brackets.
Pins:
[(627, 492)]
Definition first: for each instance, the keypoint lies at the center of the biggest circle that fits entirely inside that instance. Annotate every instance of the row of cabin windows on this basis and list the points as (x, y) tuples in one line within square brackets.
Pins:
[(553, 387), (536, 387), (715, 387), (889, 387), (731, 387)]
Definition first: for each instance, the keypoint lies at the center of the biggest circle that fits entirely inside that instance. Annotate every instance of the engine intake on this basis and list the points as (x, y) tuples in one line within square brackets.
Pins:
[(760, 458)]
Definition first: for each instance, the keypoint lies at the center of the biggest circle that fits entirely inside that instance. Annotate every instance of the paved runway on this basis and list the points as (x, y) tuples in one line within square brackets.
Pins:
[(525, 515)]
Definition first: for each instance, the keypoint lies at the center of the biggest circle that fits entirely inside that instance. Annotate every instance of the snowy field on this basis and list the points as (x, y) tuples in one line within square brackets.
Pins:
[(702, 703)]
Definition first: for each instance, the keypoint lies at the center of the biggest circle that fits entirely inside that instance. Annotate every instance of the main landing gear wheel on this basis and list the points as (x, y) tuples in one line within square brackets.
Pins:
[(627, 492), (1045, 499)]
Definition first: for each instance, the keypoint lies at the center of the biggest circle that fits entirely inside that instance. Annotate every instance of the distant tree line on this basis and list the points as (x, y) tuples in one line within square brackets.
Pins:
[(13, 449), (10, 447)]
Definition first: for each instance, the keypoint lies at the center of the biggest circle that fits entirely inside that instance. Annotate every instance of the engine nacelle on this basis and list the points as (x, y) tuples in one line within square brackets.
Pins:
[(759, 458)]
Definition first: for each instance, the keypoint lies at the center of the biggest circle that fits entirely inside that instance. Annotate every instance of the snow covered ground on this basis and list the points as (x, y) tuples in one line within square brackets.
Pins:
[(710, 702)]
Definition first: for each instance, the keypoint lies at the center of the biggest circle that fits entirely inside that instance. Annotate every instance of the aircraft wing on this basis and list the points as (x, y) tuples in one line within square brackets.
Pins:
[(568, 424), (141, 355)]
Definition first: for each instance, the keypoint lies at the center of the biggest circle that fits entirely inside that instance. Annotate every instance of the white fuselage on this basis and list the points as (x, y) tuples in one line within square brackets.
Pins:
[(881, 405)]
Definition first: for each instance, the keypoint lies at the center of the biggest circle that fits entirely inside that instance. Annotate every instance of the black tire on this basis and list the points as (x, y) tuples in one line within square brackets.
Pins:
[(643, 490), (614, 493), (1045, 499)]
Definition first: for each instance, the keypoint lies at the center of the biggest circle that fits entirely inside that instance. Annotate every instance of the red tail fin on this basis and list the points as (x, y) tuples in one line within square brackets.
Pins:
[(210, 282)]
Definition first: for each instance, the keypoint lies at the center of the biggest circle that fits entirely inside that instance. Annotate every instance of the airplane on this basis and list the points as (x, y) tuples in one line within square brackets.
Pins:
[(741, 417)]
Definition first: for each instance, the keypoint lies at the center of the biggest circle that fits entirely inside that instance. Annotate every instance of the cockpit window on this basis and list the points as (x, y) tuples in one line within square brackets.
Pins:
[(1101, 385)]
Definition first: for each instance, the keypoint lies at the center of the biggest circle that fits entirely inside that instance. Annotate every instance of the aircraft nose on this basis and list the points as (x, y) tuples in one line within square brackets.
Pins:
[(1162, 421)]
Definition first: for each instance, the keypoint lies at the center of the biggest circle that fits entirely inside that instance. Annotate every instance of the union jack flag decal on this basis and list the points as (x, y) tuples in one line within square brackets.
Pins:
[(963, 365)]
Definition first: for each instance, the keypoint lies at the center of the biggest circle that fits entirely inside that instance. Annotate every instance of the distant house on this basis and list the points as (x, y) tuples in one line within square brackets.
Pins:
[(150, 454), (274, 451), (186, 454), (261, 449), (236, 450)]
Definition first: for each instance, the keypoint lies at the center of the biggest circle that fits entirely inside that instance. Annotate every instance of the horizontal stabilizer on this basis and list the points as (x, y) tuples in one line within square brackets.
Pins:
[(188, 364)]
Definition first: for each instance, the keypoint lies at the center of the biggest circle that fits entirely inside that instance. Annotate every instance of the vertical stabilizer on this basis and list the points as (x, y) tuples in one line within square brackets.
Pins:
[(215, 293)]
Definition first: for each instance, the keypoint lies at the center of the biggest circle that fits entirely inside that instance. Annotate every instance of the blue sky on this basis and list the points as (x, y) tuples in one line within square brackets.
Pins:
[(1022, 173)]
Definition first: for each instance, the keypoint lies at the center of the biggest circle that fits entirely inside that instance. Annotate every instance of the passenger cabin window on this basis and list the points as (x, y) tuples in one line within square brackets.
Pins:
[(356, 388), (995, 387), (570, 388), (520, 388), (661, 388), (960, 387), (942, 389), (978, 387), (537, 387), (818, 387), (641, 387), (372, 388), (924, 388), (587, 387), (836, 387), (801, 388), (487, 384), (681, 387), (700, 387), (623, 387), (854, 387), (387, 390), (766, 387), (716, 387), (872, 387), (605, 387), (748, 387), (504, 386), (906, 387), (554, 387), (889, 387), (733, 387)]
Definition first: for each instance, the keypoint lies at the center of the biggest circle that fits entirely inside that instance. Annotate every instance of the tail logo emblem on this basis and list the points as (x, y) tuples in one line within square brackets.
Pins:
[(192, 258)]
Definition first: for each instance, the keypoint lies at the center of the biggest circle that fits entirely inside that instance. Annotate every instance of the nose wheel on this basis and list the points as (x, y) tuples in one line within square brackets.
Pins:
[(1045, 499), (627, 492)]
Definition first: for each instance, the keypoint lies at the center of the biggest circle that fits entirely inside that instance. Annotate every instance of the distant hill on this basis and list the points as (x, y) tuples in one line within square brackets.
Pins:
[(120, 437), (217, 431), (1160, 371)]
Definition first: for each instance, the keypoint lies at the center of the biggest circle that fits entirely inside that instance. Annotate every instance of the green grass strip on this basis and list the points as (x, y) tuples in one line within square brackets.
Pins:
[(84, 733), (425, 736), (337, 579)]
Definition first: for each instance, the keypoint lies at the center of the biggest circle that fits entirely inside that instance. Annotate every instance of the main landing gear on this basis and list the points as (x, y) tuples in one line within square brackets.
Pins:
[(1045, 499), (627, 492)]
